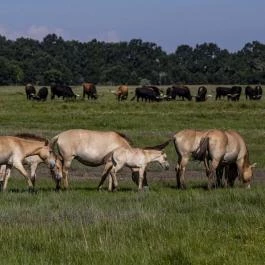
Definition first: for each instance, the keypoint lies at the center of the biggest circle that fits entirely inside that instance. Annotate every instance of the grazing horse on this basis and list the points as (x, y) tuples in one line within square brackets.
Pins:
[(90, 148), (13, 150), (135, 158), (224, 148)]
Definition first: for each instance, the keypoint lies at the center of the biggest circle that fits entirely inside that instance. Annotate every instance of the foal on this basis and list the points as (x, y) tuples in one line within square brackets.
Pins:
[(134, 158)]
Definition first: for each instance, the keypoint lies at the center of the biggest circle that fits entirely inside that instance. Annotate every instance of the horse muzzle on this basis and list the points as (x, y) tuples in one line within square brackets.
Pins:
[(52, 164)]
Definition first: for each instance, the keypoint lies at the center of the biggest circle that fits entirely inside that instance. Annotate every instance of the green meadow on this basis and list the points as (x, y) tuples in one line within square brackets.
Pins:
[(160, 226)]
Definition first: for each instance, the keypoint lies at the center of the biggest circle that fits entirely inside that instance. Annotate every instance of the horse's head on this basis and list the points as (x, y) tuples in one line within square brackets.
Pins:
[(56, 166), (162, 160), (248, 174)]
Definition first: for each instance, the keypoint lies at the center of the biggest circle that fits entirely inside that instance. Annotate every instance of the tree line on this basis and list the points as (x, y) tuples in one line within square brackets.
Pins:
[(55, 60)]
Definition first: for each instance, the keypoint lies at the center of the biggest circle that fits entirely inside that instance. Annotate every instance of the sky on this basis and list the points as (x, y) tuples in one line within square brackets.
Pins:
[(169, 23)]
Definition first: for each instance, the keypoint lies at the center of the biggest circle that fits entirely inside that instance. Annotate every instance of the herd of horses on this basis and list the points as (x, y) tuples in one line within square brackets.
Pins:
[(145, 93), (224, 154)]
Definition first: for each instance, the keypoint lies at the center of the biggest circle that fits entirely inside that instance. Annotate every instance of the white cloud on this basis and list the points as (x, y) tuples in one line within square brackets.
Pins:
[(39, 32), (33, 32), (109, 36)]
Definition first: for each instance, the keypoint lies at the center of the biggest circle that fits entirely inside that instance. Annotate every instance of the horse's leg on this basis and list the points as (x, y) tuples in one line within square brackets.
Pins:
[(66, 166), (212, 175), (135, 177), (105, 173), (18, 165), (6, 177), (2, 175), (141, 178), (33, 168), (219, 175), (113, 172), (180, 172)]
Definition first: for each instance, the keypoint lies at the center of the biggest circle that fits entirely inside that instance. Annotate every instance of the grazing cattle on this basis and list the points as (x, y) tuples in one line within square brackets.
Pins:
[(148, 93), (13, 151), (90, 90), (232, 93), (223, 148), (180, 91), (253, 93), (133, 158), (62, 91), (122, 92), (201, 96), (90, 148), (42, 94), (30, 91)]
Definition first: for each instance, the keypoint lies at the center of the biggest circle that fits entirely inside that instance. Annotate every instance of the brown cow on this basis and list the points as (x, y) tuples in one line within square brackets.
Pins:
[(90, 90), (122, 92)]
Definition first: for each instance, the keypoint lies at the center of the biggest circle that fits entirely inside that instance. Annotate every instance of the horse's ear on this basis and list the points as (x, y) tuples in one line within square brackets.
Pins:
[(253, 165)]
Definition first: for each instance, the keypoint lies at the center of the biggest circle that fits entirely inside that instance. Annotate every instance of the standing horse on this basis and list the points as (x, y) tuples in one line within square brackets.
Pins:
[(88, 147), (186, 142), (13, 150), (224, 148), (135, 158)]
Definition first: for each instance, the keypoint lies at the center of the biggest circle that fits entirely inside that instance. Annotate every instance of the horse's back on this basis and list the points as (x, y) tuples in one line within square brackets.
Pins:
[(88, 144), (187, 141), (236, 142)]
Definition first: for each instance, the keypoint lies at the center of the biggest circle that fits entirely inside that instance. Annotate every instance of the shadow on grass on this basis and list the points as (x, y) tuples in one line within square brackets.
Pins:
[(190, 186)]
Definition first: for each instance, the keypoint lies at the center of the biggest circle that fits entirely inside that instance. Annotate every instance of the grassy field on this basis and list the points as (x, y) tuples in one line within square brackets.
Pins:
[(161, 226)]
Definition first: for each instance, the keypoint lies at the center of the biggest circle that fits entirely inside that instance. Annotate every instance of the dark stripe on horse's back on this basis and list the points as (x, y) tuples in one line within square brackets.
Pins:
[(124, 136), (34, 137)]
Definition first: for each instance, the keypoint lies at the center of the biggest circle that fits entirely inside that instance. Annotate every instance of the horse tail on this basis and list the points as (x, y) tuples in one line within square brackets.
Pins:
[(158, 147), (201, 152)]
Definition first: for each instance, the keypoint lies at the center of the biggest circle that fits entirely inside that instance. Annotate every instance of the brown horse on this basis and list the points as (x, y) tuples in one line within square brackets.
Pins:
[(224, 148), (186, 142), (13, 150), (90, 148), (134, 158)]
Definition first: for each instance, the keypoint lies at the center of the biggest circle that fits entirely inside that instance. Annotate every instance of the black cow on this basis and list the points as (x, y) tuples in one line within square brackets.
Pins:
[(42, 94), (180, 91), (62, 91), (253, 93), (30, 91), (235, 93), (147, 93), (232, 93), (201, 95)]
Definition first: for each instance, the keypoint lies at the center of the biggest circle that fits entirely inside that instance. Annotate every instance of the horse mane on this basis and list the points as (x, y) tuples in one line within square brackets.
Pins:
[(158, 147), (125, 137), (34, 137)]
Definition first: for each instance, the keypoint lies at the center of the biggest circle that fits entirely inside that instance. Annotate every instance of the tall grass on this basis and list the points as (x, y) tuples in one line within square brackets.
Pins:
[(161, 226)]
